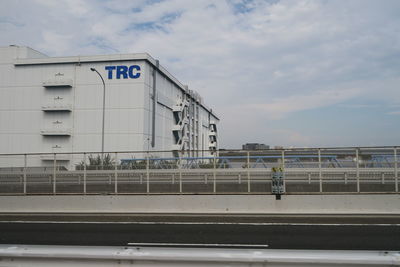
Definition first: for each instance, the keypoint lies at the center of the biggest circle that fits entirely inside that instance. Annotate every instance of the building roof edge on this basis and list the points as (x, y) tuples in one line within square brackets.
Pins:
[(104, 58)]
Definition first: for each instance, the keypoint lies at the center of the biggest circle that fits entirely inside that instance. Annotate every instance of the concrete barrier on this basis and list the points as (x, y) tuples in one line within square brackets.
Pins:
[(200, 204)]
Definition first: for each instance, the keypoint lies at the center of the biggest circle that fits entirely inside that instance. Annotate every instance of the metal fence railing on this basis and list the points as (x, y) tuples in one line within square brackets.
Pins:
[(306, 170)]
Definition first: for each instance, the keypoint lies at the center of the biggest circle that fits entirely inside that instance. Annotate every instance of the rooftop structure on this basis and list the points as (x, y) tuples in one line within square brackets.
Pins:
[(254, 146)]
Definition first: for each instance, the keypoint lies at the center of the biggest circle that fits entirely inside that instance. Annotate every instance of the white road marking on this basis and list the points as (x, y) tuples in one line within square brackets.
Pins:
[(208, 223), (197, 245)]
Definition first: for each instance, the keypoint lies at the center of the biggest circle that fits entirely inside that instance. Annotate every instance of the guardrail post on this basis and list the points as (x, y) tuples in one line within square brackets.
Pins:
[(283, 168), (358, 170), (116, 174), (84, 173), (25, 164), (248, 173), (147, 173), (320, 170), (180, 173), (396, 182), (215, 174), (54, 174)]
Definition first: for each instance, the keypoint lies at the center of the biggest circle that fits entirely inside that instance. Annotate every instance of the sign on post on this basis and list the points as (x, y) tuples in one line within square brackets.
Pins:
[(278, 185)]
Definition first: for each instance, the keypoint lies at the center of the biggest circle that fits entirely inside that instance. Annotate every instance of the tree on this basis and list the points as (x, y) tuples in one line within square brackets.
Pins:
[(95, 163)]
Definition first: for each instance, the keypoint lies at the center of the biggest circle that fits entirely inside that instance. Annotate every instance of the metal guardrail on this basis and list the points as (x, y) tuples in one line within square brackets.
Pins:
[(306, 171), (38, 255)]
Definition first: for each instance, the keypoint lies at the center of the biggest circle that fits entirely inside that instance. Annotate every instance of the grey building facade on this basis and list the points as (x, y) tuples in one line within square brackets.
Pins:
[(54, 104)]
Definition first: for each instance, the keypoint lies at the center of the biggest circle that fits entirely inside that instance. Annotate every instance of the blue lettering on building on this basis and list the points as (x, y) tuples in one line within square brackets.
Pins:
[(132, 72), (110, 69)]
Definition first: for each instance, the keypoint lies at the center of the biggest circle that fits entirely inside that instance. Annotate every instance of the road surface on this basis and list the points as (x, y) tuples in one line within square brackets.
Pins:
[(276, 232)]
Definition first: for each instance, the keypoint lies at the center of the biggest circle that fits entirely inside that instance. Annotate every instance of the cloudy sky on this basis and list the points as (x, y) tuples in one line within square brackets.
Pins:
[(292, 73)]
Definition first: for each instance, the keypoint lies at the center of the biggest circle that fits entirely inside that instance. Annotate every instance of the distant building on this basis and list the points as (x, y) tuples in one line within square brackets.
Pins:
[(254, 146)]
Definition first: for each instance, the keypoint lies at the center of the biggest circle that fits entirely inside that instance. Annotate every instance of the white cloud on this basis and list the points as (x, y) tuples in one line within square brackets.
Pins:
[(394, 112), (55, 42), (280, 107)]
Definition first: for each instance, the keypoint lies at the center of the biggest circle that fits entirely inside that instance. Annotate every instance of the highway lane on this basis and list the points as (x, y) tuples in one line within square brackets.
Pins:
[(209, 218), (275, 235)]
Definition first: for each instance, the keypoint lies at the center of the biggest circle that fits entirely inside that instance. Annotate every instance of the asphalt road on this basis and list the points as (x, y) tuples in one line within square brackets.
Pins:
[(209, 218), (275, 235)]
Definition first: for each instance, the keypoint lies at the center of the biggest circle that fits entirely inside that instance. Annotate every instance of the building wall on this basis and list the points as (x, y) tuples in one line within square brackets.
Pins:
[(169, 94), (24, 124)]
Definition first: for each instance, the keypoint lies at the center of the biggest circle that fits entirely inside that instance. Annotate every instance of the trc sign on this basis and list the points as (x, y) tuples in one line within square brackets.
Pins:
[(132, 72)]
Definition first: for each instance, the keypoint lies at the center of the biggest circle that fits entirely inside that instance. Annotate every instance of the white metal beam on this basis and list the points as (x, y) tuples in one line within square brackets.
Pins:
[(37, 255)]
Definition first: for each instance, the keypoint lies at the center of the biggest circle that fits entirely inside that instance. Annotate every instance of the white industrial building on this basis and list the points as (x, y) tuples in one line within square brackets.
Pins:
[(55, 104)]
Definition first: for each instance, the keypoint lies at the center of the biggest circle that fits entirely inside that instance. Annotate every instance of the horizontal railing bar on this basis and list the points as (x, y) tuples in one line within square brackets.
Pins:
[(206, 170), (206, 193), (230, 157), (277, 150)]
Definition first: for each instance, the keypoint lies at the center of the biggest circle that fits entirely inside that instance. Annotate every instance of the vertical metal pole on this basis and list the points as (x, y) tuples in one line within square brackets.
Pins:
[(84, 173), (396, 182), (320, 170), (102, 127), (116, 174), (309, 178), (54, 174), (383, 178), (148, 174), (103, 119), (240, 178), (180, 174), (248, 172), (215, 174), (357, 171), (345, 178), (25, 164), (283, 168)]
